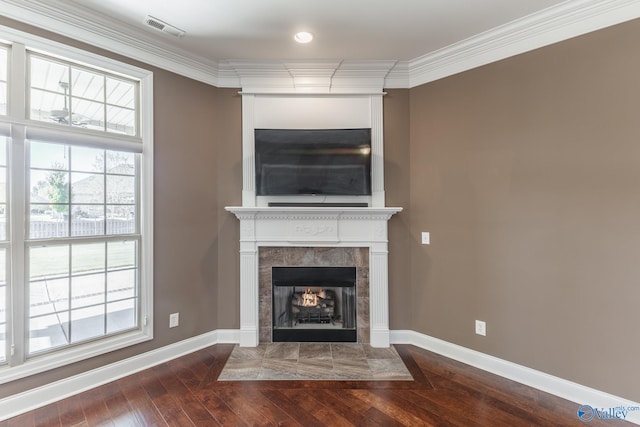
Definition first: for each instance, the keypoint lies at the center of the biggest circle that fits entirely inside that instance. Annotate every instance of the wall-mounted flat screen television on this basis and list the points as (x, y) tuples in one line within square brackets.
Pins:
[(313, 161)]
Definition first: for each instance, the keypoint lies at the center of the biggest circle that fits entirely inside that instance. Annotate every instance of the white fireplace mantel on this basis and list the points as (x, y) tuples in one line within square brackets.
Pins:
[(314, 227)]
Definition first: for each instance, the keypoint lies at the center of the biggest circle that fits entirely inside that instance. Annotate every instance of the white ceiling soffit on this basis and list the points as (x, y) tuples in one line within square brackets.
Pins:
[(566, 20)]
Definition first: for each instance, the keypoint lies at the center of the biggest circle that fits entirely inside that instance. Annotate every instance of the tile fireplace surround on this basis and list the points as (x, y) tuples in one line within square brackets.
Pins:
[(313, 257), (317, 233)]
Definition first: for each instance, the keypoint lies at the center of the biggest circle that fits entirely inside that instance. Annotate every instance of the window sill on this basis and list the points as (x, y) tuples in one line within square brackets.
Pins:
[(75, 354)]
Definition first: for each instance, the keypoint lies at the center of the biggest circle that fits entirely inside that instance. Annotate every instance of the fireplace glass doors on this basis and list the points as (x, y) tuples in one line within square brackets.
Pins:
[(314, 304)]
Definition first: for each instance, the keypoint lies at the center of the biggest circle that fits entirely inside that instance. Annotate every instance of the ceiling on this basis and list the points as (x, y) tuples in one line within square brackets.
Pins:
[(415, 36), (343, 29)]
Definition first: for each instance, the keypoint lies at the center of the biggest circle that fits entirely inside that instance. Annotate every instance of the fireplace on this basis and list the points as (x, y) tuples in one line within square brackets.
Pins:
[(314, 304), (311, 237), (336, 270), (321, 222)]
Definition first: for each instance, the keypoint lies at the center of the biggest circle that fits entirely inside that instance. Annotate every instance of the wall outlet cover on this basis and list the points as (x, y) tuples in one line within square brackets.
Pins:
[(481, 328), (174, 320), (426, 238)]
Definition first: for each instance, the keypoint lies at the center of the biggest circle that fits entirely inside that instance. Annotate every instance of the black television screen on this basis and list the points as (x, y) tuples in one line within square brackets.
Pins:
[(313, 161)]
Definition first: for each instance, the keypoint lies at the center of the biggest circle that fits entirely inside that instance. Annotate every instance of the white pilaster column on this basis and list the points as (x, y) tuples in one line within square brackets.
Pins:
[(377, 153), (248, 150), (379, 284), (249, 333)]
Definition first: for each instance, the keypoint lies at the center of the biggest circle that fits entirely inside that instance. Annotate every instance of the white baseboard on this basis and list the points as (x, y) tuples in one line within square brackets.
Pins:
[(248, 337), (380, 338), (32, 399), (228, 336), (565, 389)]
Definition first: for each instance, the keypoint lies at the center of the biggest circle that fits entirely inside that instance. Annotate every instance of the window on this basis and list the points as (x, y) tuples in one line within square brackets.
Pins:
[(79, 289), (3, 249), (75, 206), (3, 208), (76, 96), (79, 191), (3, 80)]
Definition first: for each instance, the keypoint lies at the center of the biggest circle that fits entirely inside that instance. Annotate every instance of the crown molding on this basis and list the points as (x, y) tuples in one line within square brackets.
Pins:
[(566, 20), (77, 22), (398, 76), (316, 77), (361, 76)]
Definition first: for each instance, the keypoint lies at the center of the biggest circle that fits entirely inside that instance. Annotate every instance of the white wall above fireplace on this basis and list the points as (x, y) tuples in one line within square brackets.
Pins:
[(312, 111)]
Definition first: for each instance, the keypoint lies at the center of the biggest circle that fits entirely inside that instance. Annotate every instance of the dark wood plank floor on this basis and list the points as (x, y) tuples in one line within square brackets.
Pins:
[(185, 392)]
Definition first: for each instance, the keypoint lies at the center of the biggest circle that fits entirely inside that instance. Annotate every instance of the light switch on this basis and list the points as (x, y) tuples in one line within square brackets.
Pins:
[(426, 239)]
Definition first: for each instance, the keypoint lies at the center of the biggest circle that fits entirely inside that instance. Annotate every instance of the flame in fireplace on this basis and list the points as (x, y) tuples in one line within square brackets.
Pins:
[(309, 298)]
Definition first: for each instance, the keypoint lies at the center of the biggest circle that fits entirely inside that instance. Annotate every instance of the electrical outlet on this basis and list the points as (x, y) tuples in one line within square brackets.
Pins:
[(481, 328), (174, 320), (426, 238)]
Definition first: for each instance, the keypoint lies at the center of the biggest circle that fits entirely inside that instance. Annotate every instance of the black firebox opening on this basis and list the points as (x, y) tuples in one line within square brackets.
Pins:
[(314, 304)]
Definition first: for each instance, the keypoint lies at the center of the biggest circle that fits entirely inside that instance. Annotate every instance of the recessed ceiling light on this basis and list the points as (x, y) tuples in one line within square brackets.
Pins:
[(303, 37)]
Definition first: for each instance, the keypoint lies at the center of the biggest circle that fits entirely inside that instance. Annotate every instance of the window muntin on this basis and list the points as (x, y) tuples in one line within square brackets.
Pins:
[(72, 95)]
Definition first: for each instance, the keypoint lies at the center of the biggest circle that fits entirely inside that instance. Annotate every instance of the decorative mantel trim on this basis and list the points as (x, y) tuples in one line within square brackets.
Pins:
[(301, 212), (314, 227)]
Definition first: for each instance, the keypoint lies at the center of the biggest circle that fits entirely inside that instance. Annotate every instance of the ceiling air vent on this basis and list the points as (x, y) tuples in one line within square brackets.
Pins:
[(163, 26)]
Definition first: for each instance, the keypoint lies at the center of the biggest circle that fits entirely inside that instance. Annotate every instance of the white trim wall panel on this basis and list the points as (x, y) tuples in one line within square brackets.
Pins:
[(312, 112)]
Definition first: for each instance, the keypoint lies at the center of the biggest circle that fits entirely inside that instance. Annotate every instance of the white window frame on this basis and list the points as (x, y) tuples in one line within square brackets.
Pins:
[(6, 245), (21, 127)]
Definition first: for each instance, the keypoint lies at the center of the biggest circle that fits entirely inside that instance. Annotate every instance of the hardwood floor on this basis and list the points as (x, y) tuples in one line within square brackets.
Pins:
[(184, 392)]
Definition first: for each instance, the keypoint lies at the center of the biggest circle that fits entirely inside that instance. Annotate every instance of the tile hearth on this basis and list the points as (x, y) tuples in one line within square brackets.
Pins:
[(314, 361)]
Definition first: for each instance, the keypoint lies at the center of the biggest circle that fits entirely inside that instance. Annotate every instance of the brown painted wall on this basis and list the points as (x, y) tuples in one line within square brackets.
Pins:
[(527, 174), (397, 185), (185, 208), (229, 173)]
